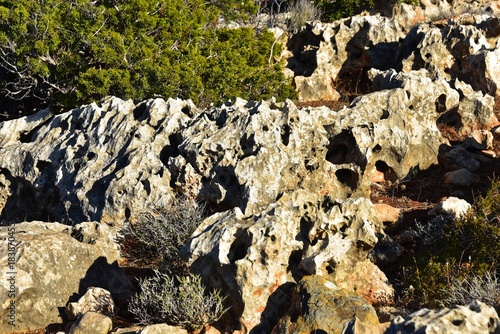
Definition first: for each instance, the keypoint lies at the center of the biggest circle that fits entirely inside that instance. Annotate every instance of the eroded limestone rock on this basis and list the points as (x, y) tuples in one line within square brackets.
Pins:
[(319, 306), (92, 323), (95, 300), (51, 268), (476, 317)]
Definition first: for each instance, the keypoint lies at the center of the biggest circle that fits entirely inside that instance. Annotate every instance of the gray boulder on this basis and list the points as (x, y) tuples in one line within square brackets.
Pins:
[(476, 317), (51, 268)]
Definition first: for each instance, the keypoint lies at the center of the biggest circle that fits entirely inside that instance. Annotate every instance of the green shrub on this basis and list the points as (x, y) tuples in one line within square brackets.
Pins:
[(460, 259), (67, 53), (179, 301)]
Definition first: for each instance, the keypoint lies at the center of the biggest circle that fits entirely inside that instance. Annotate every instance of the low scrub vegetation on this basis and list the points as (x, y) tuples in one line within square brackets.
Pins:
[(179, 301), (172, 295), (460, 259)]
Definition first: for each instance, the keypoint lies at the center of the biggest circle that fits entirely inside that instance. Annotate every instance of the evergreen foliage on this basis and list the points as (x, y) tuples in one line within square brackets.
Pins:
[(67, 53)]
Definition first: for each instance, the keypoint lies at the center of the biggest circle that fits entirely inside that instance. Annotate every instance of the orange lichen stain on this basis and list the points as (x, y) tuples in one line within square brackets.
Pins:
[(260, 309), (257, 293)]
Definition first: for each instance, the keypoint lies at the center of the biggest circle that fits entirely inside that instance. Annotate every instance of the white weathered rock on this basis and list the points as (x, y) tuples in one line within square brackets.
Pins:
[(92, 323), (52, 267), (409, 15), (452, 205), (476, 317), (325, 52), (94, 300), (251, 257), (94, 163)]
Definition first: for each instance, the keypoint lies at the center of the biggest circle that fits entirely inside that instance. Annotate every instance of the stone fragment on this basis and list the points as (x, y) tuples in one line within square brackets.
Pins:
[(387, 252), (461, 177), (459, 158), (452, 205), (319, 306), (476, 317), (95, 300), (387, 213), (479, 140), (92, 323)]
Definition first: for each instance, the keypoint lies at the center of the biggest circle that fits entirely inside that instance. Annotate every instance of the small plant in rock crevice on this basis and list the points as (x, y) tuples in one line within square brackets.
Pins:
[(172, 294), (180, 301), (458, 260)]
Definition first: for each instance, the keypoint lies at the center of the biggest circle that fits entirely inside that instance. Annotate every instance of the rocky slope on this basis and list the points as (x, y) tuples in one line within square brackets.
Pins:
[(288, 188)]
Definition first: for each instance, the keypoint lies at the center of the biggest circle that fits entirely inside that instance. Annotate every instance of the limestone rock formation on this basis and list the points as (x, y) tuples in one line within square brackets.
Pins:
[(319, 306), (290, 185), (95, 163), (51, 268), (325, 54), (95, 300), (476, 317)]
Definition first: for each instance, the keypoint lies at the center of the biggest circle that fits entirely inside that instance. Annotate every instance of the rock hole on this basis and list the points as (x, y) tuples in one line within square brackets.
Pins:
[(383, 167), (330, 268), (127, 213), (285, 134), (451, 118), (90, 155), (29, 137), (265, 128), (171, 150), (343, 149), (147, 186), (411, 107), (377, 148), (457, 322), (428, 56), (327, 204), (186, 110), (140, 112), (41, 165), (279, 196), (247, 144), (441, 103), (348, 178), (221, 119), (385, 115), (305, 228), (337, 154), (239, 247)]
